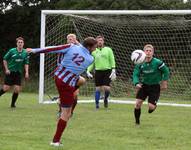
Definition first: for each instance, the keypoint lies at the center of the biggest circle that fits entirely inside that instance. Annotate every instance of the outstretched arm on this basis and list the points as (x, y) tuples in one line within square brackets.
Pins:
[(50, 49)]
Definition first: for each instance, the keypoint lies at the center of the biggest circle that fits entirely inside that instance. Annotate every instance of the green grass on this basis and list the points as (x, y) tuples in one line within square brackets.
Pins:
[(31, 126)]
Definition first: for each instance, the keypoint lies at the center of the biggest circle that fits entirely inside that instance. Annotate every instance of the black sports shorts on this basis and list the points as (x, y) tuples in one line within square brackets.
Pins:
[(150, 91), (14, 78), (102, 77)]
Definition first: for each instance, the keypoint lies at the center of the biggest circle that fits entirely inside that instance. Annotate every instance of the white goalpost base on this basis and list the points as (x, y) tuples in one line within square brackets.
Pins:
[(122, 102), (124, 31)]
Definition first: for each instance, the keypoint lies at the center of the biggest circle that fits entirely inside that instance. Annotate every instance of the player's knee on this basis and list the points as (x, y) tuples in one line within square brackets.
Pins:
[(6, 88), (66, 113), (65, 116), (76, 95), (138, 105), (106, 88), (98, 88), (81, 81), (17, 89)]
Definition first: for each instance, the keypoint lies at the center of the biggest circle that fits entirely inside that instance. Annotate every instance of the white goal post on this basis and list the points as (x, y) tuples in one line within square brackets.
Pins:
[(124, 31)]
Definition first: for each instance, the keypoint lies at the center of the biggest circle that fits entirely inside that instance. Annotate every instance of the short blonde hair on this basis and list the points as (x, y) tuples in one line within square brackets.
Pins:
[(71, 35), (148, 45)]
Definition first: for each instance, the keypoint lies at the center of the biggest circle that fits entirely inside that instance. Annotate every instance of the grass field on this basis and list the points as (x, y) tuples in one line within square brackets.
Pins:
[(31, 126)]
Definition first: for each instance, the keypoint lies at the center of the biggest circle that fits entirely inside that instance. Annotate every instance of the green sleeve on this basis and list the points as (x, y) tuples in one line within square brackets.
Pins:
[(136, 74), (26, 61), (91, 67), (112, 59), (165, 71), (7, 55)]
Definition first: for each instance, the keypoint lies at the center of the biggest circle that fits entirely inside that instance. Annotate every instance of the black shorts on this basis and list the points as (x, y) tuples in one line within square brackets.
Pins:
[(102, 77), (150, 91), (14, 78)]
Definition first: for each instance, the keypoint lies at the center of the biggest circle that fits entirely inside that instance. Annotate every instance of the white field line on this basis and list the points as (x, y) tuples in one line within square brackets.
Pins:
[(124, 102)]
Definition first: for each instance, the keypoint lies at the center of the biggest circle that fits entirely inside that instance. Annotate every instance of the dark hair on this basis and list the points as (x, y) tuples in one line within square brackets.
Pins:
[(89, 42), (100, 36), (20, 38)]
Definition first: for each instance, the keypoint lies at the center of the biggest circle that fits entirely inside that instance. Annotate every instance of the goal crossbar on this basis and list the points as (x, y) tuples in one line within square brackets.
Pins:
[(118, 12)]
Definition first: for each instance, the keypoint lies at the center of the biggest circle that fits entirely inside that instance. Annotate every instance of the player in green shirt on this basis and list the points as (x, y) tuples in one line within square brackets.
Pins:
[(14, 61), (149, 78), (104, 64)]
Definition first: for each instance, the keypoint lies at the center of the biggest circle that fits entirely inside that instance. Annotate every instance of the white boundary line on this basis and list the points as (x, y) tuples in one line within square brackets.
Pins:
[(123, 102)]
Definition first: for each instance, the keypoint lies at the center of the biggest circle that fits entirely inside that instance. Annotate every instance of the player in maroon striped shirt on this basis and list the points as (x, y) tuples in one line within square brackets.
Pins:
[(71, 39)]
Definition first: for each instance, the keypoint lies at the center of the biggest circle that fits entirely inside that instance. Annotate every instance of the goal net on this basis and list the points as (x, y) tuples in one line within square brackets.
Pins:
[(124, 31)]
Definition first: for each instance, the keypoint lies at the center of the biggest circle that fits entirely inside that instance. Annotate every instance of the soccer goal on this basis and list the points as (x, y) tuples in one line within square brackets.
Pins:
[(169, 31)]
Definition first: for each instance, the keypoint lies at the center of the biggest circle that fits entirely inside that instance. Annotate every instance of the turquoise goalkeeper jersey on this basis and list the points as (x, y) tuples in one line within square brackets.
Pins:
[(150, 72), (103, 59)]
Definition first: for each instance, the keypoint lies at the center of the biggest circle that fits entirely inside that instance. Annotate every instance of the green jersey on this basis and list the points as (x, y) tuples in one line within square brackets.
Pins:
[(103, 59), (150, 72), (16, 60)]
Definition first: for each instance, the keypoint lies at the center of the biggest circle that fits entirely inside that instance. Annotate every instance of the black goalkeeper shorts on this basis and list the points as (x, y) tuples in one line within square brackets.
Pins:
[(102, 77)]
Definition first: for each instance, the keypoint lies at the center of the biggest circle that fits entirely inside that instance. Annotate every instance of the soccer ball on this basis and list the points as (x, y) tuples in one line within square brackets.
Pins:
[(138, 56)]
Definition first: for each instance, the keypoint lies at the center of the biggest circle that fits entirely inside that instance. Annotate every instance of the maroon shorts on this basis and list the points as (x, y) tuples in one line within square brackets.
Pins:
[(66, 93)]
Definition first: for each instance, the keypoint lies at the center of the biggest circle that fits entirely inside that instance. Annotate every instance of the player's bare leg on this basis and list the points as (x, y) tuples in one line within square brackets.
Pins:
[(75, 101), (152, 107), (15, 95), (80, 82), (4, 89)]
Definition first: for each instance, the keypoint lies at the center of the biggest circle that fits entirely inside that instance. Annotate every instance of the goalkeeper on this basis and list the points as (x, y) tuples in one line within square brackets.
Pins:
[(104, 64), (154, 75)]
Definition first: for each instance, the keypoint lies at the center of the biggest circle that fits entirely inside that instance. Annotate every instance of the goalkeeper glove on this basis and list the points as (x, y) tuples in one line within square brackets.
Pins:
[(113, 75), (89, 75)]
